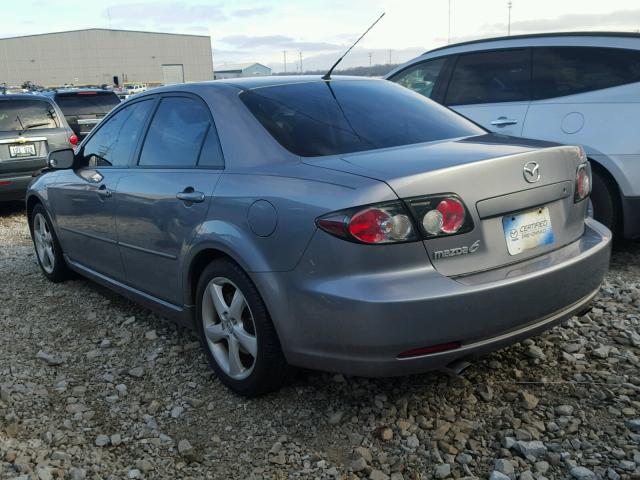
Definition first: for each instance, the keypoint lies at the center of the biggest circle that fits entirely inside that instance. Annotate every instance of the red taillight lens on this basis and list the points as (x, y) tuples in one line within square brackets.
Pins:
[(73, 140), (453, 214), (439, 215), (367, 226), (383, 223), (583, 182)]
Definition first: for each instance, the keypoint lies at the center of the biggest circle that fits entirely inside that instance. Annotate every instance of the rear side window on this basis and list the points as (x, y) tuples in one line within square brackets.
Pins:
[(490, 77), (328, 118), (26, 114), (176, 133), (421, 78), (561, 71), (116, 139), (87, 103)]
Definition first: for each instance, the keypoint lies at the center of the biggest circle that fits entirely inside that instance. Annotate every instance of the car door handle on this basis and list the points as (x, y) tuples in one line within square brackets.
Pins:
[(189, 195), (103, 191), (503, 121)]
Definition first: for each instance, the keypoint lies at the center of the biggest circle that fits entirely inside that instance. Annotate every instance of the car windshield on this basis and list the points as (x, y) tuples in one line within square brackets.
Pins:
[(327, 118), (84, 103), (26, 114)]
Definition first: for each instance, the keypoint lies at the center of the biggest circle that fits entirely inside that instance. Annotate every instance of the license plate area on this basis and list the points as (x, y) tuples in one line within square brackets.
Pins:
[(22, 150), (528, 230)]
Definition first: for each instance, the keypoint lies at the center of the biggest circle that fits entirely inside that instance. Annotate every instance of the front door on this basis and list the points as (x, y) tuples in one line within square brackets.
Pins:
[(163, 200), (84, 198), (492, 88)]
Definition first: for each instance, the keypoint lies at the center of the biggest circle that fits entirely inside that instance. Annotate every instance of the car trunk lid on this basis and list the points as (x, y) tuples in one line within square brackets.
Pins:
[(487, 173)]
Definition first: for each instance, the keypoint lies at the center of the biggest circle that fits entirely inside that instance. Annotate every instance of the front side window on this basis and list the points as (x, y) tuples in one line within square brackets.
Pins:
[(490, 77), (176, 133), (115, 141), (21, 115), (560, 71), (314, 118), (422, 77)]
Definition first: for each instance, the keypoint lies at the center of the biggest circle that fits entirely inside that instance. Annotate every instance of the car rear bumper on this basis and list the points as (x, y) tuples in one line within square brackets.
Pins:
[(14, 187), (360, 324)]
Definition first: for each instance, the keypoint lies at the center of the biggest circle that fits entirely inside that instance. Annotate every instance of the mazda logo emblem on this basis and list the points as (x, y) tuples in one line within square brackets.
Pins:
[(531, 172)]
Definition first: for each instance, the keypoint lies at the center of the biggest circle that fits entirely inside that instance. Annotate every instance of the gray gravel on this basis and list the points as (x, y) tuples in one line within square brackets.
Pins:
[(93, 386)]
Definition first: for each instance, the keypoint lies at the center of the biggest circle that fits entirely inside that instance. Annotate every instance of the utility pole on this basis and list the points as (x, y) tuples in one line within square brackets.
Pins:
[(509, 3), (449, 31), (300, 53), (369, 59), (284, 53), (389, 56)]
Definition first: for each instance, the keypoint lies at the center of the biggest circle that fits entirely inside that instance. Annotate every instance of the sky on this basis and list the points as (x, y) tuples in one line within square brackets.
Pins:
[(321, 30)]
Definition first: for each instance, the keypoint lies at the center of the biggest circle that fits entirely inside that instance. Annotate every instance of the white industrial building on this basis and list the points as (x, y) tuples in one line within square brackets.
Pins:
[(241, 70), (97, 55)]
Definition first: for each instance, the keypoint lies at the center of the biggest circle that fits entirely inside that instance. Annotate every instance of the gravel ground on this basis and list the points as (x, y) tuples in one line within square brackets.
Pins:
[(94, 386)]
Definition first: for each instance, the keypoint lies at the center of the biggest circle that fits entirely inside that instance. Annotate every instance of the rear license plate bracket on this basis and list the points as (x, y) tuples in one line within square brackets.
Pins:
[(528, 230)]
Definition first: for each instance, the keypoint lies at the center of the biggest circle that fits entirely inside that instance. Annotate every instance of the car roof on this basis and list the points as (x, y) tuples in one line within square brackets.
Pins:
[(249, 83), (25, 96), (538, 35)]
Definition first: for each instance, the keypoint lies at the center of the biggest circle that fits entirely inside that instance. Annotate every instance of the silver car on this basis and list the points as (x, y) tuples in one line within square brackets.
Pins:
[(348, 225), (30, 127)]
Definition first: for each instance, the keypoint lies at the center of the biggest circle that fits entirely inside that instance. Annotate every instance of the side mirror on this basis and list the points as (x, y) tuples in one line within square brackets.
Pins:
[(61, 159)]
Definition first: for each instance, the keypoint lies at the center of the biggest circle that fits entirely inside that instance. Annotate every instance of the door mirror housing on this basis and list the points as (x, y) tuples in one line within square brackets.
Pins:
[(61, 159)]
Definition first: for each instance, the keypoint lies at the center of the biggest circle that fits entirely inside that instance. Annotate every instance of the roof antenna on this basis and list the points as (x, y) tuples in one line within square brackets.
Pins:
[(327, 76)]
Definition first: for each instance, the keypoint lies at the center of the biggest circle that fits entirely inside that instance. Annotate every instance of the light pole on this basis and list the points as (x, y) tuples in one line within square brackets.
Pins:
[(449, 31), (300, 53), (509, 4), (284, 53)]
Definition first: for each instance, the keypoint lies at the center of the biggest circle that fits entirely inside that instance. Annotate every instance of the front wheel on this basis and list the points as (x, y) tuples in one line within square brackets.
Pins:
[(48, 250), (236, 332)]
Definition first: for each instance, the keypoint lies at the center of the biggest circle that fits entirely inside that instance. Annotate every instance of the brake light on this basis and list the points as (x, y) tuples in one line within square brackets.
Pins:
[(441, 215), (583, 182), (87, 93), (376, 224), (73, 140)]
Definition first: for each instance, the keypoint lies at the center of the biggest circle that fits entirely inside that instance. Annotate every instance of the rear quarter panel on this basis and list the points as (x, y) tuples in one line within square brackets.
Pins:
[(604, 122)]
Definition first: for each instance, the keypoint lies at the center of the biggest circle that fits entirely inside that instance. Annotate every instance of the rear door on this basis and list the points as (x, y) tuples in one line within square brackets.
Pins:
[(84, 109), (84, 198), (492, 88), (166, 196)]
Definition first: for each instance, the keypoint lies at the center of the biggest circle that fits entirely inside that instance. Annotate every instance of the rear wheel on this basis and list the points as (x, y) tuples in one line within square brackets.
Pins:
[(604, 202), (236, 332), (48, 250)]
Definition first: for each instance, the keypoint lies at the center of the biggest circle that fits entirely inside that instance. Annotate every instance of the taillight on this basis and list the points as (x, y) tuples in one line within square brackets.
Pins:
[(441, 215), (390, 222), (73, 140), (583, 182), (375, 224)]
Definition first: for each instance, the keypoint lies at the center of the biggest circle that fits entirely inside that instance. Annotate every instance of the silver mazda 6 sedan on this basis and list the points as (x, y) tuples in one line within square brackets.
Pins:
[(348, 225)]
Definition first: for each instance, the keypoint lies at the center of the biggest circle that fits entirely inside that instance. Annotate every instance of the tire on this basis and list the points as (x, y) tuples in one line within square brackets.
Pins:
[(47, 246), (604, 199), (238, 338)]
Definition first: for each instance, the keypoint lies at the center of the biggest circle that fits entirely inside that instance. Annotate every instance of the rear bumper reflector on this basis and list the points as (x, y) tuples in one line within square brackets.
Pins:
[(442, 347)]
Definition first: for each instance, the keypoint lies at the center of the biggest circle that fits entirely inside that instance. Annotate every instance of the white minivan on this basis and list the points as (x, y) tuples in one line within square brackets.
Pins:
[(572, 88)]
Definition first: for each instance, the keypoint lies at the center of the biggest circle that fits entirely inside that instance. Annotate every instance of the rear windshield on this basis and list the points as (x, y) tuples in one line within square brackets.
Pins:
[(328, 118), (23, 114), (87, 103)]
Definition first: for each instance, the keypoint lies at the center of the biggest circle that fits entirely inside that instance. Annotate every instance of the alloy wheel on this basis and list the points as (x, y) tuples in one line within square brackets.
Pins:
[(229, 328), (44, 243)]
